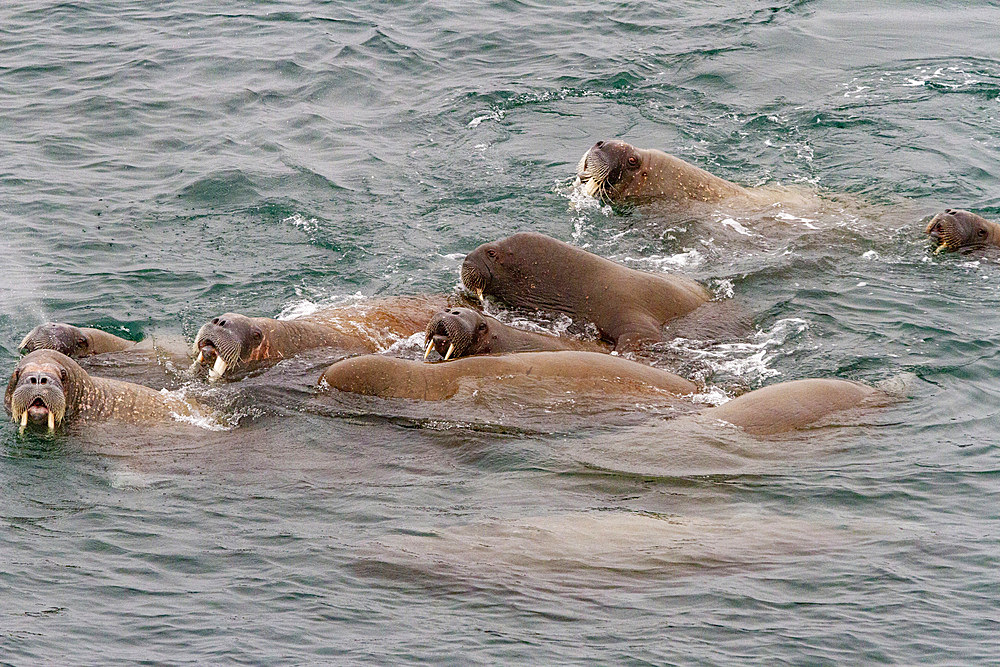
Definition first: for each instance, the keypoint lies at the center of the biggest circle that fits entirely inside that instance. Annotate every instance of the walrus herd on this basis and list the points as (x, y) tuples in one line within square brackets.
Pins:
[(626, 311)]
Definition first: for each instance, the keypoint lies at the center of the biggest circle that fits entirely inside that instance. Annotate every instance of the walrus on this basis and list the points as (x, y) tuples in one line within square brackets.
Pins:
[(787, 406), (531, 270), (619, 173), (49, 390), (767, 411), (463, 332), (391, 377), (72, 341), (956, 229), (232, 343)]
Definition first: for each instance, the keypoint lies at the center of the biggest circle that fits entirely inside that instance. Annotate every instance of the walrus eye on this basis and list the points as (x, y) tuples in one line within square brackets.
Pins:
[(981, 233), (492, 253), (633, 161), (63, 374), (81, 343), (482, 326), (256, 334)]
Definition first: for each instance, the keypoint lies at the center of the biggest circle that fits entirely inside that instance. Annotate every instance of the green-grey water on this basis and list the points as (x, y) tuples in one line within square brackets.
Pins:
[(166, 162)]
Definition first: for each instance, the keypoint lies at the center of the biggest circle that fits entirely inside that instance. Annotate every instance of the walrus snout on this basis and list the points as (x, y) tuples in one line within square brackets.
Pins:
[(35, 394), (955, 229), (447, 335), (224, 342)]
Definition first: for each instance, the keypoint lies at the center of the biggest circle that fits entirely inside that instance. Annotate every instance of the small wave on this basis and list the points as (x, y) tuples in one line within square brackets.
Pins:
[(748, 361)]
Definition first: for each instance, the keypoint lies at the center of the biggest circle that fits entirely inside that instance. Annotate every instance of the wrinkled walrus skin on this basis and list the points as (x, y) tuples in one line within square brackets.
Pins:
[(50, 390)]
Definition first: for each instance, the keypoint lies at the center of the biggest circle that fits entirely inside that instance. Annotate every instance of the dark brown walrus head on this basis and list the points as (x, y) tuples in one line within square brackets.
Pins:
[(456, 332), (41, 387), (956, 229), (226, 343), (607, 170), (65, 338)]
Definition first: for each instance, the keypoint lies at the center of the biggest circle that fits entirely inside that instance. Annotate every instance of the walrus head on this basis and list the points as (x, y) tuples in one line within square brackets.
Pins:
[(65, 338), (956, 229), (527, 269), (607, 170), (226, 343), (40, 389), (456, 332)]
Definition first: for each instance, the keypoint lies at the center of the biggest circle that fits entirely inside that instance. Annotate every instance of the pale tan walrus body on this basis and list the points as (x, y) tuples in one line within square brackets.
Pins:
[(232, 343), (770, 410)]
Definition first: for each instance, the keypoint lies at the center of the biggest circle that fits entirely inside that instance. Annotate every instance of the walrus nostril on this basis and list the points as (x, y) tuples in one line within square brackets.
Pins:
[(599, 144), (222, 323), (950, 211)]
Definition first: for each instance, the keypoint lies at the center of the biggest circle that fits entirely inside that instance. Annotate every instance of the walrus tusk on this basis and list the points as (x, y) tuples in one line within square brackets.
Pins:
[(52, 422), (217, 370), (941, 248), (24, 421), (430, 344), (201, 357), (451, 348), (479, 293)]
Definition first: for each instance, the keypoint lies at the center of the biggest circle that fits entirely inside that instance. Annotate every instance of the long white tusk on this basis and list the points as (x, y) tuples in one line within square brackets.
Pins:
[(52, 422), (479, 293), (217, 370), (24, 421), (941, 248), (451, 348), (201, 357), (430, 344)]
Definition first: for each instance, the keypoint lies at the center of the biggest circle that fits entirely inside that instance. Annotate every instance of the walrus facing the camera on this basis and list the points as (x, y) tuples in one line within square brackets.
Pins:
[(48, 389), (955, 229), (72, 341), (531, 270), (463, 332), (233, 343), (391, 377)]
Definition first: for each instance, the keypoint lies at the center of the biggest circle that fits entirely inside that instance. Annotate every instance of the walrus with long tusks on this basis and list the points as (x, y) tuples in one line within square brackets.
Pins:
[(391, 377), (629, 307), (48, 390), (72, 341), (234, 344), (619, 173), (463, 332), (955, 229)]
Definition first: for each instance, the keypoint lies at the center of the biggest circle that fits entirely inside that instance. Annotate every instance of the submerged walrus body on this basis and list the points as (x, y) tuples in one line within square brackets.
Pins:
[(49, 390), (233, 344), (390, 377), (463, 332), (787, 406), (629, 307), (771, 410)]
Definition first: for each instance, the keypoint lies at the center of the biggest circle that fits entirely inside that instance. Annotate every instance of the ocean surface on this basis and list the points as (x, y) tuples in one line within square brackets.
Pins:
[(163, 163)]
